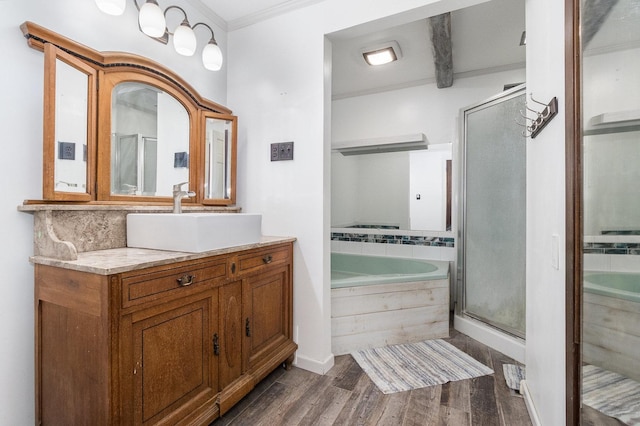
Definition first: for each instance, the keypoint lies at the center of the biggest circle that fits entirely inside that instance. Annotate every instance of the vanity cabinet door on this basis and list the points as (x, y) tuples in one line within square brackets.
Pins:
[(233, 383), (229, 349), (174, 377), (267, 325)]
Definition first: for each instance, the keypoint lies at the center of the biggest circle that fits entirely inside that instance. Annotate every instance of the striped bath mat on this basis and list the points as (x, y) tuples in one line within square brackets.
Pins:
[(513, 375), (611, 394), (401, 368)]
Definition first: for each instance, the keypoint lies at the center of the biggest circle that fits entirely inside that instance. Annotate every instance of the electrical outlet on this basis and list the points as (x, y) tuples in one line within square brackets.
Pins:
[(282, 151)]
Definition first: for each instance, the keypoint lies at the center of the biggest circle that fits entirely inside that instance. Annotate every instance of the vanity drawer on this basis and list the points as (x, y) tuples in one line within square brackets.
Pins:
[(258, 260), (154, 284)]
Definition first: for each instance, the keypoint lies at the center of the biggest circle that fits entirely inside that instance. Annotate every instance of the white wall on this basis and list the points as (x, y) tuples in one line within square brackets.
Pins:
[(21, 122), (545, 344), (277, 86), (370, 189), (612, 193), (421, 109)]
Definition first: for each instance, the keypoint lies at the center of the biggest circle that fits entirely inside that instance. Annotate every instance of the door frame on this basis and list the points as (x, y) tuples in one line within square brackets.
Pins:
[(574, 209)]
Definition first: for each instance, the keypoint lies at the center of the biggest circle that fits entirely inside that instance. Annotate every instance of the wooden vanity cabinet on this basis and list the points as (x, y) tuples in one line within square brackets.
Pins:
[(160, 345)]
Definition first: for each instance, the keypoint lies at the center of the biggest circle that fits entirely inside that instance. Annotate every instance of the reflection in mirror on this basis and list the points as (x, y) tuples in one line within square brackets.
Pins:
[(405, 190), (218, 146), (610, 311), (71, 92), (149, 141)]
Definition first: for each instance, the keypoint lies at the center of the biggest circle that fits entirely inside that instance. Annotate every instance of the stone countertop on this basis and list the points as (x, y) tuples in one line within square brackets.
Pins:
[(118, 260), (32, 208)]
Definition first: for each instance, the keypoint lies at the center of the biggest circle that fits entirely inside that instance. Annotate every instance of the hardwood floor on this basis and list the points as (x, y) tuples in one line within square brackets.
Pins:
[(346, 396)]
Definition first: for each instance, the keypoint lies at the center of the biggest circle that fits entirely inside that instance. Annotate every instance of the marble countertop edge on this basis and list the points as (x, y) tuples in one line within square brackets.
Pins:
[(119, 260)]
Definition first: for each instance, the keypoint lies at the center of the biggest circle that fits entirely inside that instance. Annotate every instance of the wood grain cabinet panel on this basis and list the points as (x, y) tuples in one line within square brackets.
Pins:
[(171, 352), (142, 348)]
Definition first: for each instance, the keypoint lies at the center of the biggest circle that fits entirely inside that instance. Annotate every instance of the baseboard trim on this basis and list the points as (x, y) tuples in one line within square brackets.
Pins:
[(315, 366), (531, 408)]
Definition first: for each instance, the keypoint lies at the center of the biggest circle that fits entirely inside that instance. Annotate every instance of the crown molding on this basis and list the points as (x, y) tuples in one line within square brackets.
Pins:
[(210, 14), (265, 14)]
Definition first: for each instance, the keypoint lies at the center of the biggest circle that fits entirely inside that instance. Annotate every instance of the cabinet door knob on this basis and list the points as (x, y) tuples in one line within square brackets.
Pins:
[(267, 258), (186, 280), (247, 328), (216, 344)]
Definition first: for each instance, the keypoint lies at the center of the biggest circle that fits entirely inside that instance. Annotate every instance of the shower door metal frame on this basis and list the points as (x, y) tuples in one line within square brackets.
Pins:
[(462, 220)]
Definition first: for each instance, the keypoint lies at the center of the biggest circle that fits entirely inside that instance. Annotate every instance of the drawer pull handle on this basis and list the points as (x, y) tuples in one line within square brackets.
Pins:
[(247, 328), (233, 268), (267, 258), (216, 344), (186, 280)]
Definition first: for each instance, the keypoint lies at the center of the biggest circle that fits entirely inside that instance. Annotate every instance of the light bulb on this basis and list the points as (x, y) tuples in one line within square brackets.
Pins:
[(151, 19), (212, 56), (184, 39), (111, 7)]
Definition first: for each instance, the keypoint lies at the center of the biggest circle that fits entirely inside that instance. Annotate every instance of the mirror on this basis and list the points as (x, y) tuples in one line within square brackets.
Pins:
[(149, 141), (70, 108), (611, 174), (408, 190), (121, 128), (219, 156)]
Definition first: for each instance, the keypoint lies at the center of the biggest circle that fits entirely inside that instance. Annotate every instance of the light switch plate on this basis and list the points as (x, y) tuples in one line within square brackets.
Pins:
[(555, 251), (282, 151), (66, 151)]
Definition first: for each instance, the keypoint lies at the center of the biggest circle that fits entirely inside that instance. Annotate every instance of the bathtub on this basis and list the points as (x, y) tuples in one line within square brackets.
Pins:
[(611, 314), (378, 301)]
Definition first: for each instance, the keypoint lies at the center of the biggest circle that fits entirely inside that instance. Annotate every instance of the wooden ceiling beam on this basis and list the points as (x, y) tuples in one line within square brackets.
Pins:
[(594, 13), (440, 33)]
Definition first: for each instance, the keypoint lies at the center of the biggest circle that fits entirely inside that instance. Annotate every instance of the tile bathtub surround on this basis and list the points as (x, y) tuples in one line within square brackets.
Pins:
[(617, 242), (414, 240), (611, 248)]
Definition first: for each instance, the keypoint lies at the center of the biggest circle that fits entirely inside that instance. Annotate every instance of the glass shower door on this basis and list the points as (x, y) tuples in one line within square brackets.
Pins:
[(493, 212)]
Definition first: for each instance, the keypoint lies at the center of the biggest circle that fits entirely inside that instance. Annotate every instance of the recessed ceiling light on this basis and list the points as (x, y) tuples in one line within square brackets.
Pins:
[(382, 54)]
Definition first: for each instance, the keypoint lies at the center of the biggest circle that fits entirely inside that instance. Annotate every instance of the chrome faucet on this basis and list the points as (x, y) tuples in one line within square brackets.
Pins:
[(178, 195)]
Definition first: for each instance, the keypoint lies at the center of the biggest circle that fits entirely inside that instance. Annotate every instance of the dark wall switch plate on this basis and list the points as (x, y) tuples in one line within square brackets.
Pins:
[(282, 151), (66, 150)]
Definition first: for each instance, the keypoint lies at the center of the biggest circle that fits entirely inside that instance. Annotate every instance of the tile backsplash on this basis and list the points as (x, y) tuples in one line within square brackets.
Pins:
[(394, 238)]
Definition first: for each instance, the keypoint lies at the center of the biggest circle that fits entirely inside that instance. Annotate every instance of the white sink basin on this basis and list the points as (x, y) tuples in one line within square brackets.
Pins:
[(192, 232)]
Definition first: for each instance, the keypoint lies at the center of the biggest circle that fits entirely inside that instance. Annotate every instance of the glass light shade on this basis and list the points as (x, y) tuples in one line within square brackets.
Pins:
[(151, 19), (111, 7), (212, 56), (380, 57), (184, 40)]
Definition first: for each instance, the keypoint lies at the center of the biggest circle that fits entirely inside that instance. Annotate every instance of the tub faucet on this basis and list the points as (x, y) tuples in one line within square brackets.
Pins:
[(178, 195)]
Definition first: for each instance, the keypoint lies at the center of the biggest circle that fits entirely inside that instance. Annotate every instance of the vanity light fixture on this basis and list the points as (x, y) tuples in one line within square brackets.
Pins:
[(152, 21), (382, 54), (184, 39), (111, 7), (211, 54)]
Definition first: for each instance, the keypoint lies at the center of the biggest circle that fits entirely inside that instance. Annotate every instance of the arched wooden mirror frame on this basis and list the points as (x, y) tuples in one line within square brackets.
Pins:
[(105, 70)]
